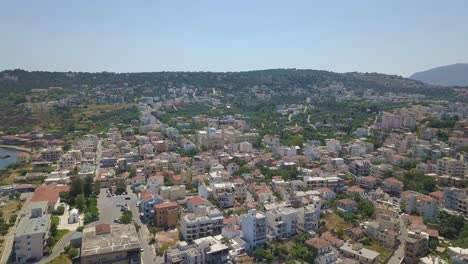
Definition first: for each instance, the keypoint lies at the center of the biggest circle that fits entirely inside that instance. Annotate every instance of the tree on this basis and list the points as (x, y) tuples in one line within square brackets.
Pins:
[(132, 173), (12, 219), (76, 187), (53, 231), (71, 251), (121, 188), (126, 217), (88, 186), (80, 202)]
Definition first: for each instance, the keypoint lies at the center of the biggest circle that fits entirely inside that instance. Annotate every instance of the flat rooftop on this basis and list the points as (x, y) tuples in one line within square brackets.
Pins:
[(28, 226), (120, 238)]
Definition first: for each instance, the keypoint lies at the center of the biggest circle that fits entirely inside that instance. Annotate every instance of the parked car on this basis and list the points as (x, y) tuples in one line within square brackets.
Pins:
[(127, 198)]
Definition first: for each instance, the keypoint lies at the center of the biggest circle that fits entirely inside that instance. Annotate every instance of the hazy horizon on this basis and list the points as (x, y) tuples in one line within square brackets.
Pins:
[(397, 37)]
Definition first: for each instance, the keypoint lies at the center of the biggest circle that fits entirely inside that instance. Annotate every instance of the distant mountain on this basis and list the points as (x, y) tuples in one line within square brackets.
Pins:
[(450, 75)]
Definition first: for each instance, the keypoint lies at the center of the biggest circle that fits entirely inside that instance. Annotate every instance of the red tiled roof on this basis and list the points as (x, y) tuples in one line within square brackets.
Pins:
[(346, 201), (436, 195), (433, 232), (48, 193), (103, 229), (325, 190), (146, 195), (416, 220), (332, 239), (238, 180), (197, 200), (392, 180), (166, 205), (369, 178), (355, 189), (317, 243)]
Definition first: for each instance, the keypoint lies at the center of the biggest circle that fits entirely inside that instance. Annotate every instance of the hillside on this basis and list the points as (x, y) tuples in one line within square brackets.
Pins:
[(450, 75)]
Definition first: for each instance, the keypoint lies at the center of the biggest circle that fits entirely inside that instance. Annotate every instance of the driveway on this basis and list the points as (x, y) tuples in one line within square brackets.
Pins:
[(59, 247)]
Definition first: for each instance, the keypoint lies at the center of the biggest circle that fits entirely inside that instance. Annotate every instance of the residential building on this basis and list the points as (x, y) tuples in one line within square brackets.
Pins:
[(452, 167), (360, 167), (254, 228), (30, 238), (282, 223), (416, 246), (107, 243), (206, 222), (183, 253), (173, 193), (309, 216), (213, 251), (51, 153), (346, 205), (392, 186), (166, 214), (325, 252), (424, 205), (358, 253)]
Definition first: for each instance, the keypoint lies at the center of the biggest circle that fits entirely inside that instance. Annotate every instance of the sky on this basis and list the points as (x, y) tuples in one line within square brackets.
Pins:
[(394, 37)]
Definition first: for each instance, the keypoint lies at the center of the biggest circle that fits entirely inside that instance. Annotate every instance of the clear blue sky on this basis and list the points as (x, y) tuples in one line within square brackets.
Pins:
[(398, 37)]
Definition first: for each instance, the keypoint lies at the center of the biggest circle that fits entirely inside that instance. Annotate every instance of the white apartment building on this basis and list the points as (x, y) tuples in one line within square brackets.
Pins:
[(30, 238), (66, 162), (201, 224), (452, 167), (224, 194), (309, 216), (173, 193), (424, 205), (254, 228), (282, 223)]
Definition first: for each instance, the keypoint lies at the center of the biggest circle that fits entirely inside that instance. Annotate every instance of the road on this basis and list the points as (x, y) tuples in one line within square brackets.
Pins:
[(59, 247), (10, 237), (98, 157), (398, 256)]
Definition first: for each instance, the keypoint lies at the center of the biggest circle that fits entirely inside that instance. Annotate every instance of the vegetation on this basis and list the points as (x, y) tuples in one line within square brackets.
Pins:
[(415, 180), (60, 259), (126, 217), (82, 196)]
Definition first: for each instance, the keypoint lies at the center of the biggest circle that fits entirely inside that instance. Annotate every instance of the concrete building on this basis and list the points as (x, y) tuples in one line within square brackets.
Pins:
[(254, 228), (51, 153), (358, 253), (173, 193), (346, 205), (30, 238), (325, 252), (309, 216), (416, 246), (424, 205), (392, 186), (360, 167), (183, 253), (212, 250), (107, 243), (66, 162), (452, 167), (166, 214), (456, 199), (282, 223), (206, 222)]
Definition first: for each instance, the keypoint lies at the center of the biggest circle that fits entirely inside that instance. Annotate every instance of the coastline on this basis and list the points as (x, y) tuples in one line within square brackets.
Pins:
[(16, 148)]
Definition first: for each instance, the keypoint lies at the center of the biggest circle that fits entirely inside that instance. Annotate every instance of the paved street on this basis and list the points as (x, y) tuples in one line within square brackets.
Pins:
[(10, 237), (398, 256), (59, 247)]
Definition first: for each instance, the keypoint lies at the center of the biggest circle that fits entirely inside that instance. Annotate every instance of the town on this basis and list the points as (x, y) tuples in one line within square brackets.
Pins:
[(320, 175)]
